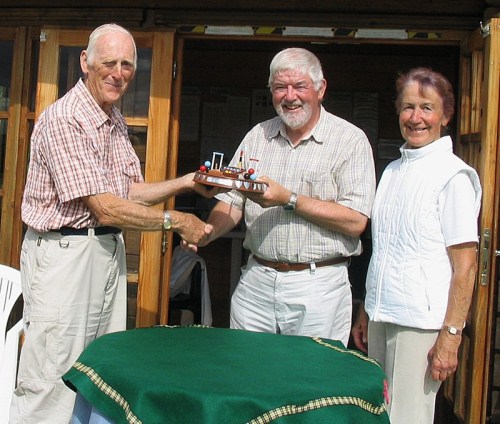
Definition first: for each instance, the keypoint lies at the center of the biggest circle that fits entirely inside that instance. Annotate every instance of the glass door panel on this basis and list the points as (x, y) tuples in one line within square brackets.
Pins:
[(6, 53), (138, 138), (69, 68), (3, 144), (135, 102)]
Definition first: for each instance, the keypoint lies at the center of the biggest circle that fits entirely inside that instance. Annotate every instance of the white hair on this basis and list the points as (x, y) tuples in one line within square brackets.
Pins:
[(105, 30), (297, 59)]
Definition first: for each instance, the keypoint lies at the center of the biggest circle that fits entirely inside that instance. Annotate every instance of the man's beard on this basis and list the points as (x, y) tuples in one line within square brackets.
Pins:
[(296, 119)]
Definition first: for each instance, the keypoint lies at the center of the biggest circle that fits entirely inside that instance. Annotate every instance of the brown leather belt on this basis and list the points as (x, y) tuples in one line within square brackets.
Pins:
[(285, 266)]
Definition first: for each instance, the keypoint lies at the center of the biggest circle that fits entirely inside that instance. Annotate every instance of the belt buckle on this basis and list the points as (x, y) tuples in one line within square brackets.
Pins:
[(282, 267)]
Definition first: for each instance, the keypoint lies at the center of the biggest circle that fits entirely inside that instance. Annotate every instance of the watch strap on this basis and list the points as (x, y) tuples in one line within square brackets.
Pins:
[(452, 330), (292, 203)]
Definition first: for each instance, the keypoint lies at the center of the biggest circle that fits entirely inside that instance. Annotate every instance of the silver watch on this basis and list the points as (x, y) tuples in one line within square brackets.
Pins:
[(452, 330), (292, 203), (167, 221)]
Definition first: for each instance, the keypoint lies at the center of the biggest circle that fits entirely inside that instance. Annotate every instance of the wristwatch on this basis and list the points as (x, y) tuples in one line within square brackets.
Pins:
[(167, 221), (292, 203), (452, 330)]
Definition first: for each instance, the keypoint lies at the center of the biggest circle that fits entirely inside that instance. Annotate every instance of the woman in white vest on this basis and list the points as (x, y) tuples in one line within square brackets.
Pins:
[(421, 275)]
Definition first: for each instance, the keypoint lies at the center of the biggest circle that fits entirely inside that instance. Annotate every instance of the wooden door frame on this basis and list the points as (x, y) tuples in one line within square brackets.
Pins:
[(490, 174), (14, 149), (160, 154), (176, 65), (477, 144)]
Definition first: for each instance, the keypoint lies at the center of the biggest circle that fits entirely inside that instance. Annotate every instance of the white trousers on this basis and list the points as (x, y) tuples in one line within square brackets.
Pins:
[(314, 303), (74, 290), (402, 352)]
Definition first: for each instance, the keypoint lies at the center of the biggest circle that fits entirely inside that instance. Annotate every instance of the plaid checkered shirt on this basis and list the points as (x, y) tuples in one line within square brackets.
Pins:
[(335, 163), (76, 150)]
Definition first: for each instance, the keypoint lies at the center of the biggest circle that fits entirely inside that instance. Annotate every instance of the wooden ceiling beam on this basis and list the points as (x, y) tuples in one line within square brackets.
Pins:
[(463, 16), (348, 20), (398, 7), (73, 17)]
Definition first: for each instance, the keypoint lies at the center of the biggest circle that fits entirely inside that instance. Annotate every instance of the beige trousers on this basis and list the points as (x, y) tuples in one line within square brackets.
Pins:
[(74, 290), (402, 352)]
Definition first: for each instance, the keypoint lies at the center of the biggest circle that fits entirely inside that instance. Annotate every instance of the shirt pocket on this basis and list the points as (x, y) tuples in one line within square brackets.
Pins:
[(124, 178), (319, 185)]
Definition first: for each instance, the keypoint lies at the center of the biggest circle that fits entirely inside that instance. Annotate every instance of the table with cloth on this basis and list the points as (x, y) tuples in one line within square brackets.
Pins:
[(216, 375)]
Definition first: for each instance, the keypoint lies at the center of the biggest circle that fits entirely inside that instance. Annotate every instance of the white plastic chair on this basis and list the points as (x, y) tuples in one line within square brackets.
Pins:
[(10, 291)]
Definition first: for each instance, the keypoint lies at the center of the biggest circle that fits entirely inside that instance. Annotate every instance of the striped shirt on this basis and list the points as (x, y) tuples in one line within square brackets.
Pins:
[(76, 150), (334, 164)]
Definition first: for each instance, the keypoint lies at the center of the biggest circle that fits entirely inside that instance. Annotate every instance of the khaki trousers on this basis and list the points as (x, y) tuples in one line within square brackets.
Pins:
[(74, 290)]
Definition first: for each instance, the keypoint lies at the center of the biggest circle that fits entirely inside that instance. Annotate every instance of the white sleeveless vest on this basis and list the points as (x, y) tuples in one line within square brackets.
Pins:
[(410, 271)]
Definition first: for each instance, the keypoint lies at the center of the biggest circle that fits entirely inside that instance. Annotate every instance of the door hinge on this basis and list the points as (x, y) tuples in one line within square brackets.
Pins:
[(484, 255), (174, 70), (485, 30), (43, 37)]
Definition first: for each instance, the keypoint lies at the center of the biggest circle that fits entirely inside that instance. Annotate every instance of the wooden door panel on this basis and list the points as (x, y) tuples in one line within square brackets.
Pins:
[(11, 144), (477, 145)]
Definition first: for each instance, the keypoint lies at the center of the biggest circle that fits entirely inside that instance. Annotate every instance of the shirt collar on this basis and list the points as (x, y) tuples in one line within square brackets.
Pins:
[(443, 144), (94, 108)]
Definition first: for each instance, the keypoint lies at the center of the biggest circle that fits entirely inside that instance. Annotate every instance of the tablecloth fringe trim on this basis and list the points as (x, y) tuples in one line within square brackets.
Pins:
[(349, 351), (104, 387), (286, 410)]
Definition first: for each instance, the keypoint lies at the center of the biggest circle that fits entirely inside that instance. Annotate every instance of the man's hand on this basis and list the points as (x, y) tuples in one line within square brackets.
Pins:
[(203, 189), (193, 247), (359, 330), (275, 194), (191, 229)]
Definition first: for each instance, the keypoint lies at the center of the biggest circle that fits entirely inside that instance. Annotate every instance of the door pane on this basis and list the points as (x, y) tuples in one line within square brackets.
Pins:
[(35, 56), (136, 99), (138, 137), (3, 143), (69, 70), (6, 52)]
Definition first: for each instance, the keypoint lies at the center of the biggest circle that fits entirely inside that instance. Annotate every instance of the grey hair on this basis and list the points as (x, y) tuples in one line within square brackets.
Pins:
[(297, 59), (427, 78), (105, 30)]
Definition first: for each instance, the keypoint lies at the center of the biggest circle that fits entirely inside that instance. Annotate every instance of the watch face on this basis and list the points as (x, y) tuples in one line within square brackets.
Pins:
[(452, 330), (290, 206), (167, 221)]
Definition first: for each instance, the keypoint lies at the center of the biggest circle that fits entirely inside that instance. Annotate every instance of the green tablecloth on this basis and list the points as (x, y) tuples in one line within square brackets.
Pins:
[(206, 375)]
